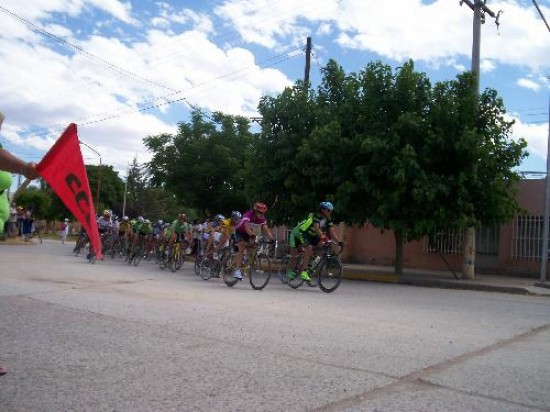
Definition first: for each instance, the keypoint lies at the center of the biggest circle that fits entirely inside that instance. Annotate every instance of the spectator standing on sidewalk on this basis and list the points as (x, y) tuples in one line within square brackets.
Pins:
[(12, 222), (64, 230), (28, 225), (11, 164)]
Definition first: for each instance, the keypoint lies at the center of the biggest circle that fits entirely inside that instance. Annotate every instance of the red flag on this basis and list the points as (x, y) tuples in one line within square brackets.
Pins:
[(63, 169)]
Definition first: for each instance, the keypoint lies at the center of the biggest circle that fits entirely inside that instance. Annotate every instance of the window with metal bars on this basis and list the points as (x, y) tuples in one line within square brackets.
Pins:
[(527, 237), (449, 242)]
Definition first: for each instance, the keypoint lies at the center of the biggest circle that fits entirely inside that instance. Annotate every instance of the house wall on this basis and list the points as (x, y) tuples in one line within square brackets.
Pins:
[(370, 245)]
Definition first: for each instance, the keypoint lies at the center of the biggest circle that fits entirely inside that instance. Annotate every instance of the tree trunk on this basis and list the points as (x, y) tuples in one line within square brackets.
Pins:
[(399, 244), (469, 253)]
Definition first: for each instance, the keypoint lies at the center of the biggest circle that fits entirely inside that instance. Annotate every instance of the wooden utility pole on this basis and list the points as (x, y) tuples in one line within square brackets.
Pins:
[(480, 9), (308, 63), (545, 223)]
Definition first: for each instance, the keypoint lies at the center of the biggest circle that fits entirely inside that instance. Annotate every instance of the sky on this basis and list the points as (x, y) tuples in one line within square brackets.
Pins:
[(124, 70)]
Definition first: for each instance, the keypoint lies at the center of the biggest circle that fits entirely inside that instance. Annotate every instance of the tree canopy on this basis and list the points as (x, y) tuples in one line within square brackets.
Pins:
[(384, 145), (203, 164), (388, 148)]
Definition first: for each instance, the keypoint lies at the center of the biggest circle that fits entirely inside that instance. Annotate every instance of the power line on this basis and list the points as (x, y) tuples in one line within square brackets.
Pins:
[(541, 15), (80, 50), (152, 104), (122, 71)]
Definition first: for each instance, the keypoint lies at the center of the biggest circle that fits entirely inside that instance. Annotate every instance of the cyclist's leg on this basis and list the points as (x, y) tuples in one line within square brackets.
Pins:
[(242, 240), (308, 252)]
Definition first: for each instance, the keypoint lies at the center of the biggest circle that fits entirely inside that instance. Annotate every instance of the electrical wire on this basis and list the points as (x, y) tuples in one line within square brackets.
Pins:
[(119, 70), (151, 104), (541, 15)]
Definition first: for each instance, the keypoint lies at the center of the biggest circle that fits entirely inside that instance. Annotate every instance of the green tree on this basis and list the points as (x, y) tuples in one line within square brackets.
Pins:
[(278, 169), (391, 150), (104, 180), (203, 163), (37, 200)]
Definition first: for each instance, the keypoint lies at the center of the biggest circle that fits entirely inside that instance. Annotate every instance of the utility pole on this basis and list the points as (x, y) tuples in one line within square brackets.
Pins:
[(545, 223), (308, 63), (480, 9)]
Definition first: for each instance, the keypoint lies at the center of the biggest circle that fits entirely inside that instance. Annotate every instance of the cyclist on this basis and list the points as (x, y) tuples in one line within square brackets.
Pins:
[(125, 228), (197, 232), (125, 232), (252, 224), (104, 222), (214, 236), (158, 228), (146, 230), (308, 233), (182, 230), (136, 229), (227, 229)]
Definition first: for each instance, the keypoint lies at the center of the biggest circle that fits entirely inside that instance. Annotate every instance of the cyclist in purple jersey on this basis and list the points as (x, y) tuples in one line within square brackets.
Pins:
[(245, 236)]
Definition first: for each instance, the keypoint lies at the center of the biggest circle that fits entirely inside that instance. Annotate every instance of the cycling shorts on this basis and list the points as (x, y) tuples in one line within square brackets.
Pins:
[(298, 238)]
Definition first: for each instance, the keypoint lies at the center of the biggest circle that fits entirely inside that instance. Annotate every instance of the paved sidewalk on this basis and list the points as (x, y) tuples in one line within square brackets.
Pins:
[(445, 279)]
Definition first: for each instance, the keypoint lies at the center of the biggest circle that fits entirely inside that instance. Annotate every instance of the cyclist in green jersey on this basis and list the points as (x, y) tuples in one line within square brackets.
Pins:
[(182, 230), (308, 233), (146, 231), (136, 229)]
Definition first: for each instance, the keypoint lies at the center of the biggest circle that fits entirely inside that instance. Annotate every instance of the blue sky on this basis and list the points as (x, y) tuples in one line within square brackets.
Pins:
[(122, 70)]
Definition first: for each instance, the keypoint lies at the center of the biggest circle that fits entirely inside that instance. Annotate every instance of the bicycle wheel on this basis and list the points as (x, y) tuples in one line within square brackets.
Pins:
[(281, 266), (228, 266), (260, 272), (163, 258), (314, 275), (330, 274), (80, 244), (205, 268), (174, 257), (297, 281), (138, 254), (197, 266), (91, 256), (181, 258)]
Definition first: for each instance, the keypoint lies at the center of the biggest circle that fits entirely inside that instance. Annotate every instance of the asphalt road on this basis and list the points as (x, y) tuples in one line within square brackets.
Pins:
[(110, 337)]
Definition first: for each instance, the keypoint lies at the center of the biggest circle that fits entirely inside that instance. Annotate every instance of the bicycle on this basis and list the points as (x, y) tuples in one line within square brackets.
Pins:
[(176, 257), (137, 254), (256, 265), (81, 242), (325, 271), (210, 266), (199, 257)]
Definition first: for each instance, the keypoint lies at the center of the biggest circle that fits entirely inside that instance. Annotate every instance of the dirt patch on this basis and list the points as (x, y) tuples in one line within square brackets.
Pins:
[(16, 242)]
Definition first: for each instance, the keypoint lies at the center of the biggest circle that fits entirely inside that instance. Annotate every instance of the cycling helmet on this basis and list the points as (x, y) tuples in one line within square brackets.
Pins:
[(326, 205), (182, 216), (217, 218), (140, 219), (125, 218), (260, 207), (147, 221), (160, 221), (236, 215)]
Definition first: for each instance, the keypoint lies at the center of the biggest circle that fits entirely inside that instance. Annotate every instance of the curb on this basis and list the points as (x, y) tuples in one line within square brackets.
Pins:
[(384, 277)]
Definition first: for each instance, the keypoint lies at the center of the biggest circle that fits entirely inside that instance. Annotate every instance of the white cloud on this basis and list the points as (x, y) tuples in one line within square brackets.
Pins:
[(536, 136), (275, 24), (401, 30), (486, 66), (179, 55), (528, 84), (49, 88)]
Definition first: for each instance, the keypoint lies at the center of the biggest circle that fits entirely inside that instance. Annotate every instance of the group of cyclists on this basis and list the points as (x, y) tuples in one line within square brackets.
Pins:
[(210, 237)]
